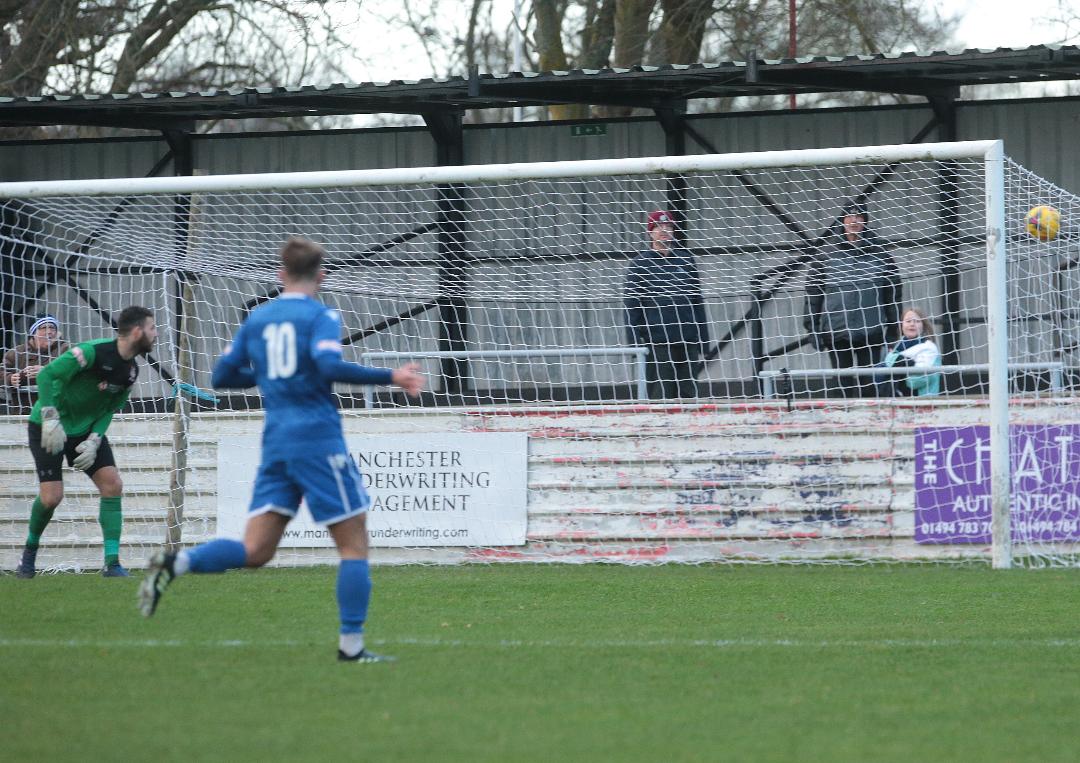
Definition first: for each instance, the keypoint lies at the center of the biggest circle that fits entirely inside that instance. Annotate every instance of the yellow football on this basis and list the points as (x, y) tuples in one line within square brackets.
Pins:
[(1044, 222)]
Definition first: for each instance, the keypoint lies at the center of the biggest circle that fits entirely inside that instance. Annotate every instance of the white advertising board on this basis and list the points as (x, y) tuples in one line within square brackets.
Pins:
[(426, 489)]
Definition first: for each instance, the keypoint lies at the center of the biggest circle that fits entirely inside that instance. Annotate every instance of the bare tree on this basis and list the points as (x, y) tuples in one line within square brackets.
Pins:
[(631, 31), (598, 34), (120, 46), (592, 34), (1063, 27), (683, 29), (94, 46), (826, 27)]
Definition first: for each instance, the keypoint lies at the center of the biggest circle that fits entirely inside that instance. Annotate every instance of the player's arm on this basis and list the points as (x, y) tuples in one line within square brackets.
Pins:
[(233, 369), (326, 352), (52, 379), (86, 451), (102, 423)]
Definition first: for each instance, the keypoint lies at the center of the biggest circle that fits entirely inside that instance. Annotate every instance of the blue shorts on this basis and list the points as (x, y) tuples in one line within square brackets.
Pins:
[(330, 483)]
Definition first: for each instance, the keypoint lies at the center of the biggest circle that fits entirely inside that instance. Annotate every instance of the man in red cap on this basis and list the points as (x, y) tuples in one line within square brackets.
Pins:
[(665, 310)]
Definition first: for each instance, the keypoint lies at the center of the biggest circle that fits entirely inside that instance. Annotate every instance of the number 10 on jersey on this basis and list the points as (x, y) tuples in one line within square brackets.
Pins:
[(280, 350)]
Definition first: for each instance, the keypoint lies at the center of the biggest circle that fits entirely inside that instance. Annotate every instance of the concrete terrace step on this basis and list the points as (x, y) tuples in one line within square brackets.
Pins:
[(737, 550), (634, 482), (135, 534), (630, 475), (731, 497), (86, 504), (70, 513), (581, 527), (760, 509), (604, 453)]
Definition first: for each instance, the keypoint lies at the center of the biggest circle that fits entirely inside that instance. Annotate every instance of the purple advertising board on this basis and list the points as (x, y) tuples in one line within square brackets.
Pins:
[(952, 483)]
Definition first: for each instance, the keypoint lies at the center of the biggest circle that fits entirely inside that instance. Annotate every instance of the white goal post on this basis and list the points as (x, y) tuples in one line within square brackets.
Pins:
[(514, 285), (496, 173)]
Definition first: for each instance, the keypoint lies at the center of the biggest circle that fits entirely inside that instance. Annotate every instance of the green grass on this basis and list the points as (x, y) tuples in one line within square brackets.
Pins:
[(589, 663)]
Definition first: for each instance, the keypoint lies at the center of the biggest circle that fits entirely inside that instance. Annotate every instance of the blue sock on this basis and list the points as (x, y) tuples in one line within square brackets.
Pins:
[(353, 594), (217, 556)]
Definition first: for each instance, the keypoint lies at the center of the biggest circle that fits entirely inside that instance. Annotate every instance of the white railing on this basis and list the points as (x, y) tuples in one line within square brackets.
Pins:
[(638, 353), (768, 378)]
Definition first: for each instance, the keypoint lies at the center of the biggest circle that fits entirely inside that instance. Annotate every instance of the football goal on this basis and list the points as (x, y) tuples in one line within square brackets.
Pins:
[(828, 355)]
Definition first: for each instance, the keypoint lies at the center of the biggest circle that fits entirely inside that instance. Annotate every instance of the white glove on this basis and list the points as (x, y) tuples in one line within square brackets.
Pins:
[(87, 450), (53, 436)]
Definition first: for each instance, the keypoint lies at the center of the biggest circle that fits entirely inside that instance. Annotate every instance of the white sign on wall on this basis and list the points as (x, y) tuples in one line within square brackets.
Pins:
[(426, 489)]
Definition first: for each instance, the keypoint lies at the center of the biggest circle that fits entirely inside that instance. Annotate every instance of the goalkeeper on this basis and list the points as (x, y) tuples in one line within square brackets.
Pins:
[(78, 393)]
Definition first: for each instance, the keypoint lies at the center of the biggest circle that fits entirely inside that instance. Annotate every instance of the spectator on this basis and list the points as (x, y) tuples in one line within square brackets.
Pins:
[(853, 294), (22, 363), (916, 349), (665, 310)]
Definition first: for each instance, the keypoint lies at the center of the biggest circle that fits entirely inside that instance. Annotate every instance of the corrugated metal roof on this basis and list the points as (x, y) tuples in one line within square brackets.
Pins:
[(937, 73)]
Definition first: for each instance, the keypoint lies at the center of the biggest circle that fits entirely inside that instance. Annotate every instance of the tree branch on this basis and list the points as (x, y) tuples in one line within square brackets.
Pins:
[(151, 36)]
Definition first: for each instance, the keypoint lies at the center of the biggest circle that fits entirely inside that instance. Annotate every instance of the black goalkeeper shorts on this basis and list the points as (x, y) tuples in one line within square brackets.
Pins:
[(50, 468)]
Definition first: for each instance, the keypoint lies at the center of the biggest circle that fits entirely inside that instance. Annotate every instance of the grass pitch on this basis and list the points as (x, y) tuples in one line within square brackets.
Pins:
[(545, 663)]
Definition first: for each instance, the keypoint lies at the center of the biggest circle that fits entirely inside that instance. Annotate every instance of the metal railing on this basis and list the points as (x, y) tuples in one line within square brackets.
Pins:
[(638, 353), (768, 378)]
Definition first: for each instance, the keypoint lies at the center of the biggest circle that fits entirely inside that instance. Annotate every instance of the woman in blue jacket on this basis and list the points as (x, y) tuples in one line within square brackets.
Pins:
[(916, 349)]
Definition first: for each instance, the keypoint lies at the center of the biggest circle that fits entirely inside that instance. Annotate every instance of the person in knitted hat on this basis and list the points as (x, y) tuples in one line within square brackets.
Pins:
[(43, 345), (665, 310)]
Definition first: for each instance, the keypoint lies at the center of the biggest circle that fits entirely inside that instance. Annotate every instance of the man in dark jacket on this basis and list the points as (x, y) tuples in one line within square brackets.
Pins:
[(665, 310), (22, 363), (853, 295)]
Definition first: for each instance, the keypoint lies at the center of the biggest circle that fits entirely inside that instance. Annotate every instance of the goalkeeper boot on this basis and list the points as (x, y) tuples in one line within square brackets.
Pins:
[(114, 570), (27, 568), (364, 656), (158, 577)]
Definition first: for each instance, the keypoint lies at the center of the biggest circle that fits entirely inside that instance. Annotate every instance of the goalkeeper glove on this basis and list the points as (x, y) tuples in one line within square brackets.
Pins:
[(87, 450), (53, 436)]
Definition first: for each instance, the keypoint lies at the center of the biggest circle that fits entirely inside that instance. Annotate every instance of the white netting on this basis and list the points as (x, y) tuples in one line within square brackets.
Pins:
[(520, 299)]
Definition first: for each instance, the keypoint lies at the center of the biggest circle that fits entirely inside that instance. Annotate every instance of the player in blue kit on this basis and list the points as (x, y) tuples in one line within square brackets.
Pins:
[(291, 349)]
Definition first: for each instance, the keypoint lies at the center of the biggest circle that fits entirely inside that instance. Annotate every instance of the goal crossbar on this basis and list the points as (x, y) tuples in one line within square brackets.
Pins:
[(479, 173)]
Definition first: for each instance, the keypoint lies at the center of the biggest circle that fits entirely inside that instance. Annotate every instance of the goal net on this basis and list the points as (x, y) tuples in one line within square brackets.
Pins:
[(703, 358)]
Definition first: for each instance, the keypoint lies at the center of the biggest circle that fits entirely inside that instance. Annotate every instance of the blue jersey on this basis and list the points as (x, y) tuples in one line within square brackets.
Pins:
[(291, 348)]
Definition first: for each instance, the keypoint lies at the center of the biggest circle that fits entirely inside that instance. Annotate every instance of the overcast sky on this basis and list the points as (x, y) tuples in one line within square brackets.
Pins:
[(1007, 23), (983, 24)]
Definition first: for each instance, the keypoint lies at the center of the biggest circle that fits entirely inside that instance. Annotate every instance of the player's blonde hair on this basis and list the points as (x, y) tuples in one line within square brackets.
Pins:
[(302, 259)]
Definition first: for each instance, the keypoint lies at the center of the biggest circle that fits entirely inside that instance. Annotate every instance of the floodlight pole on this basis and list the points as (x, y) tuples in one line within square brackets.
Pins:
[(792, 44)]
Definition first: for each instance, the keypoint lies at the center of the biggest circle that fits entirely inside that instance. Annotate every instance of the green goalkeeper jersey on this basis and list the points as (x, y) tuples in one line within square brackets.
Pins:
[(87, 385)]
